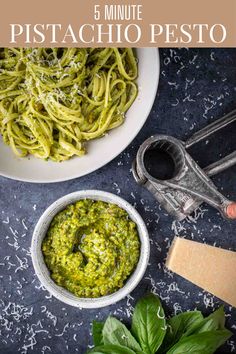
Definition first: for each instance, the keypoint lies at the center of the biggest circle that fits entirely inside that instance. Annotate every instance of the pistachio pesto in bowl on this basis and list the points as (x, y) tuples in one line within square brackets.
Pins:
[(90, 249)]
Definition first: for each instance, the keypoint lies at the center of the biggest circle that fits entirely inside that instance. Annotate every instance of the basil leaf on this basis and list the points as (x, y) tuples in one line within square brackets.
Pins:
[(115, 332), (214, 321), (111, 349), (206, 342), (149, 324), (97, 328), (178, 326), (218, 317)]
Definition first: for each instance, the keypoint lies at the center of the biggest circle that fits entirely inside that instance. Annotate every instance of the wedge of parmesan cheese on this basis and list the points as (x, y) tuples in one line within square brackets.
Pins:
[(211, 268)]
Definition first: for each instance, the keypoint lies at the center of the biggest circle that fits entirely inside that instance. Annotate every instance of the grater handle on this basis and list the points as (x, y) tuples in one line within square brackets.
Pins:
[(211, 129), (221, 165), (231, 211)]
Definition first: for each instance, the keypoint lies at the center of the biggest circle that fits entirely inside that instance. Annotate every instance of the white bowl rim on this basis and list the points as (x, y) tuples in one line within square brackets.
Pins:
[(41, 269)]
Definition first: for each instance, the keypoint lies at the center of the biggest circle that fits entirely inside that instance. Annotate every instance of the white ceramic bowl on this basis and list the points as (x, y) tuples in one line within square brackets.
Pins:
[(99, 151), (41, 269)]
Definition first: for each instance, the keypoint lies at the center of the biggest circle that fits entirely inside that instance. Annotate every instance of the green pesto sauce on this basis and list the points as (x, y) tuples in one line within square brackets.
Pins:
[(91, 248)]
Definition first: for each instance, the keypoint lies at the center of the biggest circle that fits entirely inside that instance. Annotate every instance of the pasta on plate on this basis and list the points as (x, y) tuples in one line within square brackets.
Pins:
[(53, 100)]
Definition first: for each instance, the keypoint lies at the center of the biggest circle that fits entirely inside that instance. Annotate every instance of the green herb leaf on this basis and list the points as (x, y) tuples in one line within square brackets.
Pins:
[(111, 349), (178, 326), (206, 342), (149, 324), (97, 328), (214, 321), (115, 332)]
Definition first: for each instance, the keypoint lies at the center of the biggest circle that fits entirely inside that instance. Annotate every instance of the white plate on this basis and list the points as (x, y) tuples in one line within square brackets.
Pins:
[(100, 151), (41, 268)]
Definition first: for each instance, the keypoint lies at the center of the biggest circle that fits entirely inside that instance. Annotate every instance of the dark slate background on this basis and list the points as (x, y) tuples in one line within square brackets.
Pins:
[(196, 87)]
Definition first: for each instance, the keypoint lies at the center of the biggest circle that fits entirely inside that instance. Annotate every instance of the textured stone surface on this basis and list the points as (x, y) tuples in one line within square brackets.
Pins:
[(196, 87)]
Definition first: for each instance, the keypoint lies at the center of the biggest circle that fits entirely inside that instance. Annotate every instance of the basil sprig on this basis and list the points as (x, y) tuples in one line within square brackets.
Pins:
[(97, 333), (152, 333), (149, 323)]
